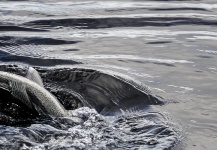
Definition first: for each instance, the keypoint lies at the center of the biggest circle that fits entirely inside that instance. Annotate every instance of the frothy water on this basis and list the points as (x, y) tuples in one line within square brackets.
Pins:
[(133, 74), (86, 129)]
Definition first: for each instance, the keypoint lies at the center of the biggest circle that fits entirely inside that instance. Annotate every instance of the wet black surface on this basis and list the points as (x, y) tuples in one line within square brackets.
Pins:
[(14, 112)]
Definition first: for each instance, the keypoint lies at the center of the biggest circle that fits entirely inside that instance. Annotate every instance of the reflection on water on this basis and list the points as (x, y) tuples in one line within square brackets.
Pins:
[(101, 54)]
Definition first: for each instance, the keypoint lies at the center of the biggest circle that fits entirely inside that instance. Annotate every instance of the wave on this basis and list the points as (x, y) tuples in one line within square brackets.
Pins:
[(37, 61), (97, 23)]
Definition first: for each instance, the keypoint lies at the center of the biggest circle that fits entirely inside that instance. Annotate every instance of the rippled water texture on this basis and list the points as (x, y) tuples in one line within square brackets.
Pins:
[(97, 57)]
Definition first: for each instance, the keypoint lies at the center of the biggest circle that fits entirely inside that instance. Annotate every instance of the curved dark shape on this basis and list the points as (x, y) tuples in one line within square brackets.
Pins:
[(106, 93), (97, 23)]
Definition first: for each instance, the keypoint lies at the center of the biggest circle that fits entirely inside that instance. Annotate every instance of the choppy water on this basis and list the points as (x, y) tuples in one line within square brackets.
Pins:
[(98, 57)]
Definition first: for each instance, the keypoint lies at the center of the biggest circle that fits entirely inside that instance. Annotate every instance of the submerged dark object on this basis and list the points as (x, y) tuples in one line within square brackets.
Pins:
[(74, 88)]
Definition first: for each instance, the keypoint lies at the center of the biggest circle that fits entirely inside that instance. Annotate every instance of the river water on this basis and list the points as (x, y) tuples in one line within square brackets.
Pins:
[(133, 74)]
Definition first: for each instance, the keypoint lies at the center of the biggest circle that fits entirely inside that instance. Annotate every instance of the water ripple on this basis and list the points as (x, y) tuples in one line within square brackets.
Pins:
[(97, 23)]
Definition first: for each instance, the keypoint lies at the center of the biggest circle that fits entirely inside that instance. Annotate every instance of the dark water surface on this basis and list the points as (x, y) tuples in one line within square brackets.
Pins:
[(97, 58)]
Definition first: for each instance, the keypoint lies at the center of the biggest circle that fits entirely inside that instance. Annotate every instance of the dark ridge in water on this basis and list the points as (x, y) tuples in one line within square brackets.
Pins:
[(122, 9), (158, 9), (199, 71), (142, 62), (18, 28), (101, 91), (202, 56), (93, 23), (165, 64), (70, 50), (177, 9), (37, 61), (8, 41), (159, 42)]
